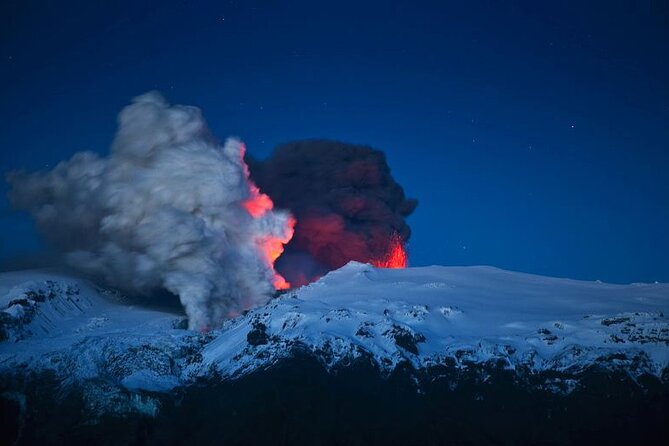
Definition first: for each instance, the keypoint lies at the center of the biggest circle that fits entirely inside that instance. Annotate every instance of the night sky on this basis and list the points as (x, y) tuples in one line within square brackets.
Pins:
[(535, 137)]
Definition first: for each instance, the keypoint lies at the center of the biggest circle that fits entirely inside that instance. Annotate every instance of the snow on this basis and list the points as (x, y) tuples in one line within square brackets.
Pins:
[(148, 380), (483, 311), (423, 316), (79, 330)]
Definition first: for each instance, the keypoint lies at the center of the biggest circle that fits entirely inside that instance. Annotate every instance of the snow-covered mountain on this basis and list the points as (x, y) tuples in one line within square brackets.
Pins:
[(420, 316), (120, 358)]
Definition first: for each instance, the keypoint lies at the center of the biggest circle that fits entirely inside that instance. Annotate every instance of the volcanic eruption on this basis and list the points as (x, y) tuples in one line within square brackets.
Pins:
[(171, 209), (346, 203)]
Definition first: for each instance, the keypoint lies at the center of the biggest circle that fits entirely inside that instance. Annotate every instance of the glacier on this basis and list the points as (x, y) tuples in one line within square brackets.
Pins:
[(419, 316), (125, 356)]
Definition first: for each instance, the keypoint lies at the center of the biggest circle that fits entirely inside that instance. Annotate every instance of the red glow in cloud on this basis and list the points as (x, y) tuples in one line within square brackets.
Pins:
[(258, 203), (271, 247)]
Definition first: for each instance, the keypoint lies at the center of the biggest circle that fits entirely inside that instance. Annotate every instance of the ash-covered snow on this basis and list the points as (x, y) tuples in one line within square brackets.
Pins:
[(419, 316)]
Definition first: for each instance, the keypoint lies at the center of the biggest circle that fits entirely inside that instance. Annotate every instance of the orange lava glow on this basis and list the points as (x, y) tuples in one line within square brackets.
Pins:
[(257, 204), (396, 257), (272, 248)]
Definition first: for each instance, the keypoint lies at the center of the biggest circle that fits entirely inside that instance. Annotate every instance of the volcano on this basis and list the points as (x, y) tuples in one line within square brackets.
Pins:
[(450, 354)]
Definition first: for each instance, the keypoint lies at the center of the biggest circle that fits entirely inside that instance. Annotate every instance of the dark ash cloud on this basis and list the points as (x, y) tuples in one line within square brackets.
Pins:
[(347, 204)]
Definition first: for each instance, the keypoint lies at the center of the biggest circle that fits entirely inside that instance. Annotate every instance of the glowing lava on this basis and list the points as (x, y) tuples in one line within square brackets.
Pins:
[(396, 257), (257, 205)]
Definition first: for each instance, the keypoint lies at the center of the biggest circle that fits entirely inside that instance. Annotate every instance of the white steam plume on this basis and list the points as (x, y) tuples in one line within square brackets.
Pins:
[(164, 210)]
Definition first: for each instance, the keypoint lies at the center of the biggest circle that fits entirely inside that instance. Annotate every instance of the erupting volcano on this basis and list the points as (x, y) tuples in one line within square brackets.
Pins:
[(169, 208)]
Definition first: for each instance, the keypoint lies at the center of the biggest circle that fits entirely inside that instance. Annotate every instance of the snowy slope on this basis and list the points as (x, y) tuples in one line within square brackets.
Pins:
[(422, 316), (469, 314), (81, 331)]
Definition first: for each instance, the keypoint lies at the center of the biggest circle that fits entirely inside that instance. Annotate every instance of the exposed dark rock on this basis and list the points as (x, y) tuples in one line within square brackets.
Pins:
[(405, 338), (615, 320), (258, 334)]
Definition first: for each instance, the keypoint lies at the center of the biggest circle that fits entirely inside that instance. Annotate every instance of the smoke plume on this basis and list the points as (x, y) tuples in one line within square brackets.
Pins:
[(169, 208), (345, 200)]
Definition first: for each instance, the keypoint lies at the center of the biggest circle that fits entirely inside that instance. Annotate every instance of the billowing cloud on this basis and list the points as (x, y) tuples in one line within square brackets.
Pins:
[(168, 208)]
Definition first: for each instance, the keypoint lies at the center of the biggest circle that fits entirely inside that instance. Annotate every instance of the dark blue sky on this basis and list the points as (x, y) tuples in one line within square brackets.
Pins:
[(535, 137)]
